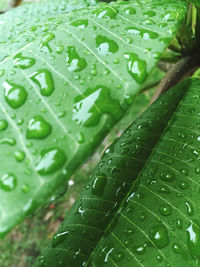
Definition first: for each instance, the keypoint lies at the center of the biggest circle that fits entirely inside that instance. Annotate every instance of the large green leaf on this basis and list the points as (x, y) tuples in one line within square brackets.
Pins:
[(64, 85), (141, 205)]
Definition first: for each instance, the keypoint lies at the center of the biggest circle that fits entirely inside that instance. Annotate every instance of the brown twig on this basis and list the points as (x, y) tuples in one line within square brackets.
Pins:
[(182, 69)]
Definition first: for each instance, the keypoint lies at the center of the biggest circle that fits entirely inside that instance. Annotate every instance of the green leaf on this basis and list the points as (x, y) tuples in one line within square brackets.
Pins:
[(55, 107), (141, 204)]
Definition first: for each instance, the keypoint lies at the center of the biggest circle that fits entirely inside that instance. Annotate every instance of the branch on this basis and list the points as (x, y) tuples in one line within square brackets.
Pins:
[(182, 69)]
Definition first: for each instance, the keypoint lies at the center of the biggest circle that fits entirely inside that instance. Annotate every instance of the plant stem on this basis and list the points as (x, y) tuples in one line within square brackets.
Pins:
[(182, 69)]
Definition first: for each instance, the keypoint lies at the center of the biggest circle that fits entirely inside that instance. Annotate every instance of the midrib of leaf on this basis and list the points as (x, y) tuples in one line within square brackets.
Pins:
[(141, 172)]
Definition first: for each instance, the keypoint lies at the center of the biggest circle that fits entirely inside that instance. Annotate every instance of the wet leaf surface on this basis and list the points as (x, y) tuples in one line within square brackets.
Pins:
[(55, 108), (141, 204)]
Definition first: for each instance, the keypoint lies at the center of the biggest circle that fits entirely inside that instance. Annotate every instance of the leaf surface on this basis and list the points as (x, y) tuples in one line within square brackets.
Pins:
[(28, 17), (141, 205), (55, 107)]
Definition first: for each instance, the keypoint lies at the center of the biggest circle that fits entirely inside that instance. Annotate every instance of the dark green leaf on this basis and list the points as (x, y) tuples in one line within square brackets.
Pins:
[(64, 85), (141, 205)]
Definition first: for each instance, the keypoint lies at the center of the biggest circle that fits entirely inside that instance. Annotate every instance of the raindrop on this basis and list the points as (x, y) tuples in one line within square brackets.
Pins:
[(149, 13), (23, 62), (59, 49), (46, 38), (43, 78), (3, 125), (178, 249), (165, 210), (193, 239), (19, 155), (80, 23), (98, 185), (8, 141), (179, 223), (2, 72), (105, 46), (80, 138), (15, 95), (145, 34), (59, 238), (106, 12), (50, 161), (38, 128), (141, 249), (118, 256), (159, 236), (74, 62), (190, 210), (183, 185), (130, 11), (136, 67), (25, 188), (8, 182), (167, 176)]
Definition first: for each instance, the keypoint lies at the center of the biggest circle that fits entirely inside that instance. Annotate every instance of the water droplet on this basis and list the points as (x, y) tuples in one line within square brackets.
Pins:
[(80, 138), (149, 13), (15, 95), (46, 38), (190, 210), (163, 189), (8, 182), (130, 11), (38, 128), (59, 49), (85, 110), (145, 34), (2, 72), (136, 67), (43, 78), (80, 23), (19, 155), (23, 62), (197, 170), (178, 249), (141, 249), (165, 210), (179, 223), (106, 12), (159, 258), (25, 188), (159, 236), (50, 161), (8, 141), (98, 185), (183, 185), (105, 46), (3, 125), (167, 176), (74, 62), (118, 256), (193, 239), (59, 238)]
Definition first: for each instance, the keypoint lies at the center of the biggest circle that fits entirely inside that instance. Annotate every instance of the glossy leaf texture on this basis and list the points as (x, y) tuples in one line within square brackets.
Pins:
[(141, 204), (61, 92), (29, 17)]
